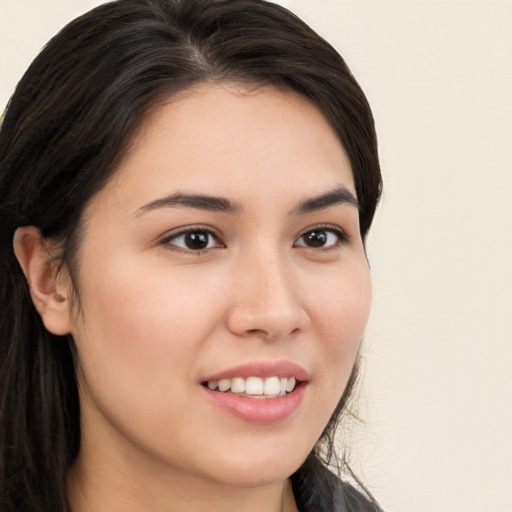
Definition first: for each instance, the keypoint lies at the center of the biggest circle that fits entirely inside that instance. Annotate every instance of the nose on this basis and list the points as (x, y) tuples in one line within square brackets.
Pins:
[(266, 301)]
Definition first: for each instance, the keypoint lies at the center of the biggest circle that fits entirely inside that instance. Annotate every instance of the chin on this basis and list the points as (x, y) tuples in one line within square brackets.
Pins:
[(249, 472)]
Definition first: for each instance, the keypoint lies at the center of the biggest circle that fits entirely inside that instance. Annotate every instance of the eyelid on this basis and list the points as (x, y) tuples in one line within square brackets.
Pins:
[(341, 234), (167, 239)]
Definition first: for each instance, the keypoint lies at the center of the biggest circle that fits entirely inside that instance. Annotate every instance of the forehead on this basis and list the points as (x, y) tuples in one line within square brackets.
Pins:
[(233, 141)]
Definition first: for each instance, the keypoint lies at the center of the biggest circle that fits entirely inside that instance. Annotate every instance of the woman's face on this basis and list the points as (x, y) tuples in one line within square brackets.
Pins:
[(224, 251)]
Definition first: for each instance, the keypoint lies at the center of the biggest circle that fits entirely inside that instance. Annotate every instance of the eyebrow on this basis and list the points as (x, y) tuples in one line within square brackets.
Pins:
[(199, 201), (339, 195)]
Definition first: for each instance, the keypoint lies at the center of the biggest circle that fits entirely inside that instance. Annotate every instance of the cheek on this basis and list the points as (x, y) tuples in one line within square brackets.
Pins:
[(138, 337), (140, 324), (339, 317), (342, 306), (129, 296)]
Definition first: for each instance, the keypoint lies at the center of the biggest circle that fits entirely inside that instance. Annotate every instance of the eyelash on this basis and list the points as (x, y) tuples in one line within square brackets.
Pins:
[(167, 241), (341, 236)]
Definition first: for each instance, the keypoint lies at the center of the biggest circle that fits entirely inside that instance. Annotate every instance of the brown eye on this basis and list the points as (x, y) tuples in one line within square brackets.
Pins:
[(321, 238), (197, 240), (193, 240)]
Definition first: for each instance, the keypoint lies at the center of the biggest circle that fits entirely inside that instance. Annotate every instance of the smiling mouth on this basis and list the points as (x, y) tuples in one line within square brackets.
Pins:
[(254, 387)]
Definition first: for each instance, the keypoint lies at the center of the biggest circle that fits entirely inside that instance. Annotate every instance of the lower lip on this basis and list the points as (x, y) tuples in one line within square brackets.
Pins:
[(263, 411)]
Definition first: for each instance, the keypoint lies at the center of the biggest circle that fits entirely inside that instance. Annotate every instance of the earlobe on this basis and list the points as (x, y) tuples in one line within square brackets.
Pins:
[(48, 292)]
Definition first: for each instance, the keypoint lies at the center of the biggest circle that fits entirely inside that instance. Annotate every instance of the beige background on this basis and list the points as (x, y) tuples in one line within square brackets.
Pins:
[(437, 395)]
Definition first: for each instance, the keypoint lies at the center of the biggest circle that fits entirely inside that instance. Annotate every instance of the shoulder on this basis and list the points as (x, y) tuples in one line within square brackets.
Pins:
[(317, 489)]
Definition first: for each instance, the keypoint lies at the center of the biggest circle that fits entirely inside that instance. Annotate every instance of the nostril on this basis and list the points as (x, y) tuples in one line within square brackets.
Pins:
[(267, 320)]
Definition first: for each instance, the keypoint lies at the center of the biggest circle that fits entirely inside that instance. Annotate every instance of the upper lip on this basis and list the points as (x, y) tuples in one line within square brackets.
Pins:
[(280, 368)]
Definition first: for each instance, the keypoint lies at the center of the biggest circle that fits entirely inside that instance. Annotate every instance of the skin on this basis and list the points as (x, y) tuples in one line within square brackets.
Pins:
[(155, 318)]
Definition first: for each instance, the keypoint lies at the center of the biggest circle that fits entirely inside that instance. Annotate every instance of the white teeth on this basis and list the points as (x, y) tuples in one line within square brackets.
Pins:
[(291, 384), (272, 386), (224, 384), (238, 385), (256, 386)]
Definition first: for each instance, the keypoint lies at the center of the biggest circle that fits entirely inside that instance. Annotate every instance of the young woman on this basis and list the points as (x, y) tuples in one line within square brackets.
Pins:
[(187, 185)]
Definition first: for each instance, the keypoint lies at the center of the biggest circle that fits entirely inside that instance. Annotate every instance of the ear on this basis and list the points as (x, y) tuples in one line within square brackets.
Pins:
[(49, 293)]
